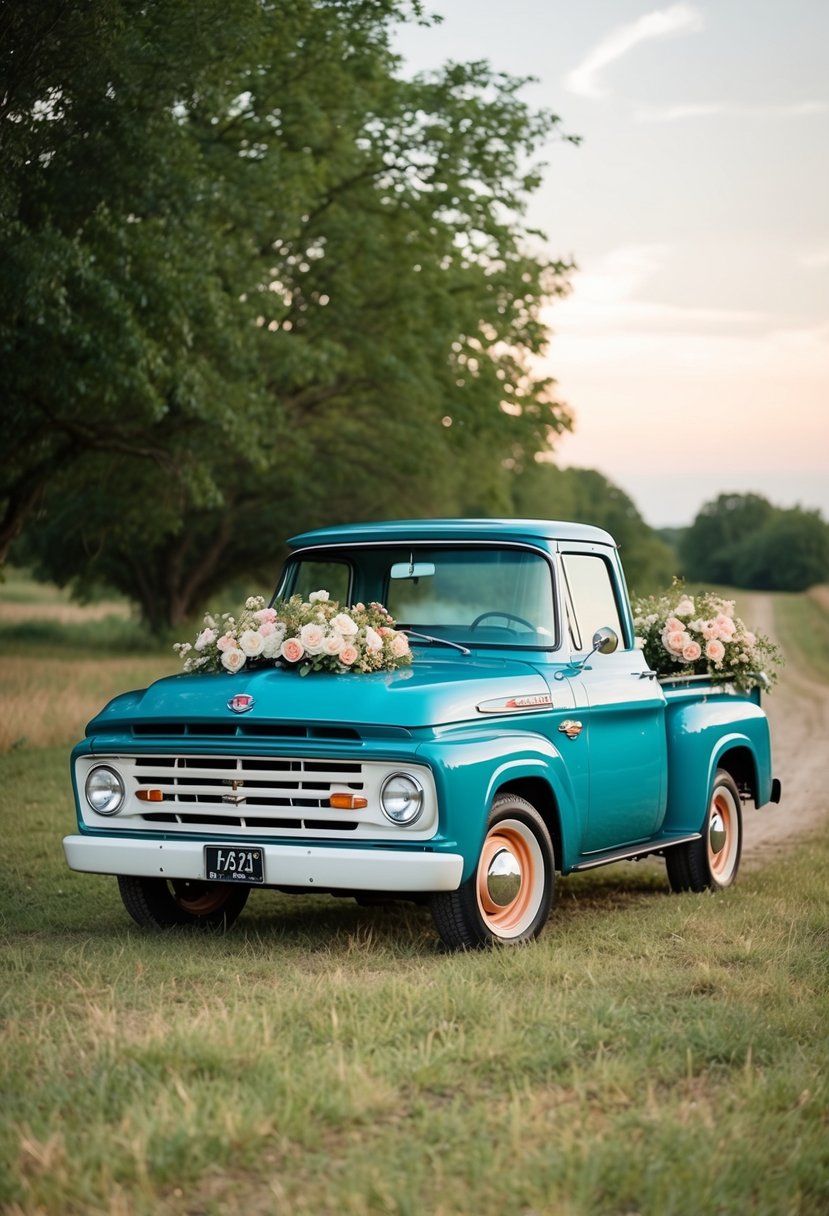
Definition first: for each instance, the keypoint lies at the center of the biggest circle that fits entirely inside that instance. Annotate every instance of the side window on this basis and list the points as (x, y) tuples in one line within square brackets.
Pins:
[(591, 602), (333, 577)]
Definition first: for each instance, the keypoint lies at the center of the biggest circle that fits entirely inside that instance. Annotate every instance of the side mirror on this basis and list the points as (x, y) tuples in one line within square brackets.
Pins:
[(605, 641)]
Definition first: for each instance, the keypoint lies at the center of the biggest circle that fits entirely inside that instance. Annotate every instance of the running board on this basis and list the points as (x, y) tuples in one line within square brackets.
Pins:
[(634, 853)]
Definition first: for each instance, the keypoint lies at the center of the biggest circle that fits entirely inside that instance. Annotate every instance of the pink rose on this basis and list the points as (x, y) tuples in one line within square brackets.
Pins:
[(348, 655), (399, 645), (675, 640), (672, 625), (205, 638), (265, 614), (749, 639), (267, 628), (709, 629), (233, 659), (333, 643), (373, 640), (726, 627), (226, 642), (292, 650), (691, 651), (714, 650), (685, 607)]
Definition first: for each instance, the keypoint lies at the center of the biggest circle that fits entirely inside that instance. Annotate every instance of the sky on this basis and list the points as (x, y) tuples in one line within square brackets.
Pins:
[(693, 348)]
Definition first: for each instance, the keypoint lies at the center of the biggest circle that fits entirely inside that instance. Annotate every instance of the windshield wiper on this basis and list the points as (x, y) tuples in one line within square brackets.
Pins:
[(427, 637)]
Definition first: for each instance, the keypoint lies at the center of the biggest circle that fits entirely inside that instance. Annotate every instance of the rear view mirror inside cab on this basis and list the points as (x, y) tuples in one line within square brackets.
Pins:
[(412, 569)]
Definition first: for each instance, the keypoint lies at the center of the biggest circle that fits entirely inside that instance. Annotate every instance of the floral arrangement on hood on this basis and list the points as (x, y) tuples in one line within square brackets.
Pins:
[(309, 635), (683, 634)]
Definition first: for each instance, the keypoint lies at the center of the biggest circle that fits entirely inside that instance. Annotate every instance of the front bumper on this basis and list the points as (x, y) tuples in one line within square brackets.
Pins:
[(330, 869)]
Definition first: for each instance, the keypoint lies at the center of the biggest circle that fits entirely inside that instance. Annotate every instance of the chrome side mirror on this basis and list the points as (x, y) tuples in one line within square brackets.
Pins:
[(605, 641)]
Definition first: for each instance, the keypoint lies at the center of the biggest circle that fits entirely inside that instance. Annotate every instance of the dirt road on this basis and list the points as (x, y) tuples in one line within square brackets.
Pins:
[(798, 710)]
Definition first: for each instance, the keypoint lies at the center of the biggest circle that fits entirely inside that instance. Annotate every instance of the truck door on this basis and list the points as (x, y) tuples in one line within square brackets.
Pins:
[(621, 707)]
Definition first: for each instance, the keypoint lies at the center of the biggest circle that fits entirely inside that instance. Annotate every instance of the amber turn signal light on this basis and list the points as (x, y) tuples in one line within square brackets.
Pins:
[(150, 795), (347, 802)]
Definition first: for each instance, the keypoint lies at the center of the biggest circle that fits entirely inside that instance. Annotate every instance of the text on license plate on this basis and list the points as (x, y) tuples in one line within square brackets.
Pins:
[(223, 864)]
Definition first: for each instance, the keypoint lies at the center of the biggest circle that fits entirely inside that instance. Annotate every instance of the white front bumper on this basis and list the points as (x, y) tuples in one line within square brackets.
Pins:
[(286, 865)]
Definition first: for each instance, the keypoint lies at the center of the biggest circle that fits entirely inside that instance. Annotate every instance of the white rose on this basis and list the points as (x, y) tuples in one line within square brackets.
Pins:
[(205, 638), (273, 643), (252, 643), (373, 640), (343, 624), (333, 643), (233, 660), (312, 636), (322, 596)]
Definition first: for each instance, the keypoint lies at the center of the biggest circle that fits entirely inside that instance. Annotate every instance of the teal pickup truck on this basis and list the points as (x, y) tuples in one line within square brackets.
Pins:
[(527, 737)]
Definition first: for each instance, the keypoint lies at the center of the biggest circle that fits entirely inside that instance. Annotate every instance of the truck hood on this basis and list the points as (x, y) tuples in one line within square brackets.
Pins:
[(432, 692)]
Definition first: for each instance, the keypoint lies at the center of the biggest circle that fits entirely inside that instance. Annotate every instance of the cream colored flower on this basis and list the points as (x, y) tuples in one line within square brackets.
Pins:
[(233, 660)]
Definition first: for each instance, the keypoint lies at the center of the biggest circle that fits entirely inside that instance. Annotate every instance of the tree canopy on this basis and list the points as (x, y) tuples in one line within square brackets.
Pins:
[(543, 491), (256, 279), (745, 541)]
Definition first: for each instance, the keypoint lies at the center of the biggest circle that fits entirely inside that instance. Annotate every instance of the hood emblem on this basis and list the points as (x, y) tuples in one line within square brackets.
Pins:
[(240, 703)]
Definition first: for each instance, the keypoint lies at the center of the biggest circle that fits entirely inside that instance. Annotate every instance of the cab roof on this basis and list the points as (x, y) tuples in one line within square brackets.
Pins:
[(409, 530)]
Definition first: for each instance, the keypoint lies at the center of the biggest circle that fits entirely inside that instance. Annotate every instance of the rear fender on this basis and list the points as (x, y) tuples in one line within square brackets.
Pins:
[(708, 735)]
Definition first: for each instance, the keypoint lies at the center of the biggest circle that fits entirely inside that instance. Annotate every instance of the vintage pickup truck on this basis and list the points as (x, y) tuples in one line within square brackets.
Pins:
[(528, 737)]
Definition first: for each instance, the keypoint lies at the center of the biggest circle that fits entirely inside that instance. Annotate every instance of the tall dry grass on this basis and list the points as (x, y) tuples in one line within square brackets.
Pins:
[(46, 702)]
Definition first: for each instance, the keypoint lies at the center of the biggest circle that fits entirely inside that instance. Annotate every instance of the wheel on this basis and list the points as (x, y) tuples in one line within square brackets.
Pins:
[(508, 616), (711, 863), (156, 903), (509, 896)]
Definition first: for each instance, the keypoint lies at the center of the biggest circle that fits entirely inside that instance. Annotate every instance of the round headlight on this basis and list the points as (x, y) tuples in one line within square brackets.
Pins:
[(401, 798), (104, 790)]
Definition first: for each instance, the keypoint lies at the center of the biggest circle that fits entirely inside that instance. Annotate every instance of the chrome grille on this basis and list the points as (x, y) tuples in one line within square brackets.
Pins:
[(257, 795)]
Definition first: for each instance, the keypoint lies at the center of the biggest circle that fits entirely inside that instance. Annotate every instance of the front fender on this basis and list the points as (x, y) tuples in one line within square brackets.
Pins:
[(469, 773)]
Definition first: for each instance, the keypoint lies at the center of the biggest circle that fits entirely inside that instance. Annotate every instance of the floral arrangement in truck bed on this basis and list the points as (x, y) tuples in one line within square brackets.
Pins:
[(308, 635), (685, 635)]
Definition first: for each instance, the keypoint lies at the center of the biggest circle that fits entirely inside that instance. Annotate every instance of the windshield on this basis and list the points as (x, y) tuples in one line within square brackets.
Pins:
[(481, 596)]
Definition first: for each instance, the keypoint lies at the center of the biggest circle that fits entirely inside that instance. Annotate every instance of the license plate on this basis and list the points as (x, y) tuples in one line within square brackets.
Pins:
[(223, 864)]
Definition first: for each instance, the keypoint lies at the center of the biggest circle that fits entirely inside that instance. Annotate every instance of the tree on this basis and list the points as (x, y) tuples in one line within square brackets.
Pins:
[(745, 541), (301, 290), (791, 553), (721, 528), (586, 495)]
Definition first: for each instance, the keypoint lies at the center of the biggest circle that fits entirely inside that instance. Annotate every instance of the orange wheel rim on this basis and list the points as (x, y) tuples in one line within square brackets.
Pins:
[(200, 899), (509, 841), (723, 823)]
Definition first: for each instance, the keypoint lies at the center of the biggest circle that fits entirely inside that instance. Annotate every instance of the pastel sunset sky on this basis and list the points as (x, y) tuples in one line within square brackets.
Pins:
[(694, 348)]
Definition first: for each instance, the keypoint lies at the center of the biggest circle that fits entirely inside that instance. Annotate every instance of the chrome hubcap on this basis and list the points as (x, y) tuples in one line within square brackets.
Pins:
[(503, 878), (717, 833)]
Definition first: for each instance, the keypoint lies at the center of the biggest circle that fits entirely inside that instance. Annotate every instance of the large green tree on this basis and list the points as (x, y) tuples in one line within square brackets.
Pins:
[(259, 280), (745, 541), (544, 491)]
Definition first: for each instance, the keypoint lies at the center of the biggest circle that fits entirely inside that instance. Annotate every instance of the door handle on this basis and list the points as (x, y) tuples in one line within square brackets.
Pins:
[(644, 675)]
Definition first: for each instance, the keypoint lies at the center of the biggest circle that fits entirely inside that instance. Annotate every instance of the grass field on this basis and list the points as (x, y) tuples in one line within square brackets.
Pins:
[(650, 1054)]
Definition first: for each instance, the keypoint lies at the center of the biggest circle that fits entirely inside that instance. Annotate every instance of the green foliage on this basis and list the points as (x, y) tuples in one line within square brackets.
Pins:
[(256, 280), (543, 491), (744, 540)]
